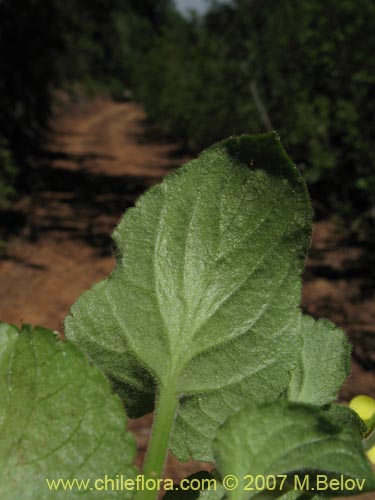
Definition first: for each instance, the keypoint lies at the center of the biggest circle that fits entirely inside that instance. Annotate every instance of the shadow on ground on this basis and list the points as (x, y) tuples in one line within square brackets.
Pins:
[(73, 202), (93, 171)]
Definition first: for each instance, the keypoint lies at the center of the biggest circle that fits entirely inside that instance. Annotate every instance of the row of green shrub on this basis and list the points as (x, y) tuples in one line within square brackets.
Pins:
[(300, 67), (47, 46)]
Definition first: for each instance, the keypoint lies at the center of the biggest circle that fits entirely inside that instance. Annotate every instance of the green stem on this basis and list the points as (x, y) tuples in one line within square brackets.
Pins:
[(153, 466), (369, 441), (370, 423)]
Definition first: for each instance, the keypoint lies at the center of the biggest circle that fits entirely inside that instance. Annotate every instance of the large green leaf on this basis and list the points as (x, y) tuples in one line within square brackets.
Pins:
[(204, 299), (324, 363), (58, 419), (293, 439)]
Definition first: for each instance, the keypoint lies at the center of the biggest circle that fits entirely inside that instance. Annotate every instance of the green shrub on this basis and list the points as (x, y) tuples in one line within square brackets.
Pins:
[(8, 172), (309, 64)]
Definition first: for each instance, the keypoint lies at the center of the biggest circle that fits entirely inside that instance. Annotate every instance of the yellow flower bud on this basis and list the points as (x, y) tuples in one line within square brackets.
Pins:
[(364, 406)]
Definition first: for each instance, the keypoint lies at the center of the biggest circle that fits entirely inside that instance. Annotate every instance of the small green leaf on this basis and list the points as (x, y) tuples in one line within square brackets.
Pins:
[(58, 419), (344, 416), (293, 439), (204, 301), (324, 363)]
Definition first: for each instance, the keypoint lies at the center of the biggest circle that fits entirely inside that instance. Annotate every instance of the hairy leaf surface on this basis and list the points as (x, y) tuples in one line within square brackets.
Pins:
[(204, 299), (290, 438), (324, 363), (58, 419)]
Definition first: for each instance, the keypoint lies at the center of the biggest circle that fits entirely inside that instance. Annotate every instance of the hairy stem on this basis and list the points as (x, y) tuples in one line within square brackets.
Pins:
[(153, 466)]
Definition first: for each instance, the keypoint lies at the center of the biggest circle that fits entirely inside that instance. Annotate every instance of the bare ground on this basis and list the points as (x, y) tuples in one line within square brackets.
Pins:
[(101, 157)]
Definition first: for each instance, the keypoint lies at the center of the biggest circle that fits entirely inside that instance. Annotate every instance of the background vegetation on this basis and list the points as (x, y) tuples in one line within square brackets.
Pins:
[(300, 67), (297, 66), (45, 46)]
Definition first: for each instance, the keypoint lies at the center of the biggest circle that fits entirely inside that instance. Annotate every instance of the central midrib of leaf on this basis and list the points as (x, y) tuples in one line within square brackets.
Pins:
[(195, 312), (205, 294)]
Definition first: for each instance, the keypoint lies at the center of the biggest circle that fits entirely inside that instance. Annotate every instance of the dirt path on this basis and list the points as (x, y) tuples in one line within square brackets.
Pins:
[(95, 167), (100, 160)]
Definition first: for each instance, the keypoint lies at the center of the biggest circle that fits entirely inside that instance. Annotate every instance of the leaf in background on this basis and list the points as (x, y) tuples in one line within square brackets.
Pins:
[(205, 294), (290, 438), (324, 363), (58, 418), (344, 416)]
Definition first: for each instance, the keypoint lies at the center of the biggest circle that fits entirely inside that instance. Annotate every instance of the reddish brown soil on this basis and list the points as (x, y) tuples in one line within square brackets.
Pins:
[(100, 158)]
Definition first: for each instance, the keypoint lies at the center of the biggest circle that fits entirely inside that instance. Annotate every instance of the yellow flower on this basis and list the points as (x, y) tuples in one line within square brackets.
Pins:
[(364, 406)]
